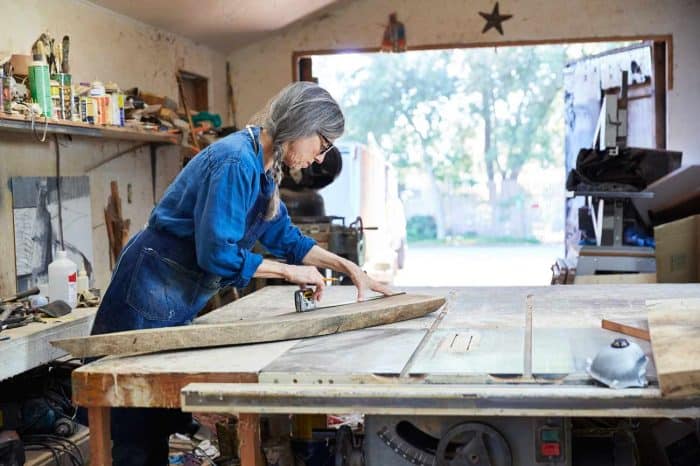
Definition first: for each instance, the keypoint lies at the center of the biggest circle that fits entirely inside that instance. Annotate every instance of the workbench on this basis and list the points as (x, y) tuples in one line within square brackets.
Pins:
[(28, 346), (489, 351)]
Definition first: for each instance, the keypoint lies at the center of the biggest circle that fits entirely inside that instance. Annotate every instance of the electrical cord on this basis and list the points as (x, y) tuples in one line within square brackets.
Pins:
[(34, 447), (61, 441), (57, 449), (58, 189), (60, 449), (32, 118)]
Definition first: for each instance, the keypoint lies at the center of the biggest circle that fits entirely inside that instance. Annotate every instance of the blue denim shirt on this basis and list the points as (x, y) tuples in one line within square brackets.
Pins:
[(219, 200)]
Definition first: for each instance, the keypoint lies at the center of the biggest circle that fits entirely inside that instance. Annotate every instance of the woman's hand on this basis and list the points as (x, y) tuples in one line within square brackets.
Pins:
[(364, 282), (319, 257), (305, 275)]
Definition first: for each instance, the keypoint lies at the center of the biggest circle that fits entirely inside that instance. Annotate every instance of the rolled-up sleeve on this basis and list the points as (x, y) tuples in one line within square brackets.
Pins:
[(285, 240), (219, 221)]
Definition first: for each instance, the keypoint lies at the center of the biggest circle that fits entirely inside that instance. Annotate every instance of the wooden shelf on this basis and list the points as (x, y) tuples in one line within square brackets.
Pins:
[(21, 124)]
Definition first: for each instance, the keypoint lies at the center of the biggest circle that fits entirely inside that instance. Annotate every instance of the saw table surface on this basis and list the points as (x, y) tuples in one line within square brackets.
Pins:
[(538, 337)]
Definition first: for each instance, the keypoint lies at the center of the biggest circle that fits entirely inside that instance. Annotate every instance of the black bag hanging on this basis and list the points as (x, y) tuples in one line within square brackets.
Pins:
[(633, 169)]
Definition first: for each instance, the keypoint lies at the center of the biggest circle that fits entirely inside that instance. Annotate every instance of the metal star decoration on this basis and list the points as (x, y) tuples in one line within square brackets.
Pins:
[(494, 19)]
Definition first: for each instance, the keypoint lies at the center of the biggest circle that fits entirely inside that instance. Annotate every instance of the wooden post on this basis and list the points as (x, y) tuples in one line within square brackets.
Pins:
[(100, 436), (249, 438)]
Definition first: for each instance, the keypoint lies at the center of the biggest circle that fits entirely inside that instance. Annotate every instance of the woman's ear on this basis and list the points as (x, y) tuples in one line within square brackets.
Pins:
[(285, 148)]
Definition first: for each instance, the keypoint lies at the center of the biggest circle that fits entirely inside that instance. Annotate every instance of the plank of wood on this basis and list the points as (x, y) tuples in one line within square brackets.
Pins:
[(283, 327), (674, 326), (625, 329)]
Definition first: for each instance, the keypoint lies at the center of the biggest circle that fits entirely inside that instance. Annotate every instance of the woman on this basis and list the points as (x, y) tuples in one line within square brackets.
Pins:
[(200, 235)]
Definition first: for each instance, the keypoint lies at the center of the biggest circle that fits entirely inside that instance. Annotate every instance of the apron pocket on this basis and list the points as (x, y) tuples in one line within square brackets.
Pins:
[(162, 289)]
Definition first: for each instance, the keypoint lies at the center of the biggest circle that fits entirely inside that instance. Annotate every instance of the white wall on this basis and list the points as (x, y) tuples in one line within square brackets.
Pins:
[(111, 47), (108, 47), (261, 69)]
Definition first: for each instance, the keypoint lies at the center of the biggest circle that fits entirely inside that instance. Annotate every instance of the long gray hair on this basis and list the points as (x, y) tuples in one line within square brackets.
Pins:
[(300, 110)]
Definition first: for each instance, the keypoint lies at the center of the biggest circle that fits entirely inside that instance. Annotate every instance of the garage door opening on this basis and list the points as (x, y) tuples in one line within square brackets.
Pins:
[(466, 150)]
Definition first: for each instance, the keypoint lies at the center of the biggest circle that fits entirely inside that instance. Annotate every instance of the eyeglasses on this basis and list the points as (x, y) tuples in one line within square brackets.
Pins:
[(328, 146)]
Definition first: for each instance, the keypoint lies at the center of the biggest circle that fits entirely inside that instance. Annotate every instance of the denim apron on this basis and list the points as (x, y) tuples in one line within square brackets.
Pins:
[(158, 283)]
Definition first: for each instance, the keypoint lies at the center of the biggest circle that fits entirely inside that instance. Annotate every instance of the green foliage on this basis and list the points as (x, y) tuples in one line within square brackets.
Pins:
[(421, 227), (516, 88), (445, 111)]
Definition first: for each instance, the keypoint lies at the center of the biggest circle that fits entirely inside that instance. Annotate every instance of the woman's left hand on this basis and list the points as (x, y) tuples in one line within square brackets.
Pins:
[(364, 282)]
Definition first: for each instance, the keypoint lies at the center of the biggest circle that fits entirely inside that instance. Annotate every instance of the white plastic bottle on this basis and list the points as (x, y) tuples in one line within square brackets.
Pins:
[(63, 278), (83, 281)]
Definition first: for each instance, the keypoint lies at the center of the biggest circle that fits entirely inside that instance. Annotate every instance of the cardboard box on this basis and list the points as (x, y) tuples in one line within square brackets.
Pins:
[(678, 251), (20, 64)]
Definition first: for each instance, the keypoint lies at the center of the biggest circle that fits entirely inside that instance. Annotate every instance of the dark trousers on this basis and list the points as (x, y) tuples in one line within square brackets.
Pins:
[(156, 283), (140, 435)]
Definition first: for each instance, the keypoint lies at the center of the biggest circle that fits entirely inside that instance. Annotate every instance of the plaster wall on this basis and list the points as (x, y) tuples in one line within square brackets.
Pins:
[(261, 69), (108, 47)]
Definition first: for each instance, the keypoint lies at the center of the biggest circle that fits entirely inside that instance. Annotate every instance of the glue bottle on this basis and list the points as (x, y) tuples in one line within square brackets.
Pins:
[(63, 278), (83, 281)]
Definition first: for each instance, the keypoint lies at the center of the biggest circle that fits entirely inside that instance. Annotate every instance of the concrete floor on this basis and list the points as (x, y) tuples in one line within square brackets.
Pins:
[(491, 265)]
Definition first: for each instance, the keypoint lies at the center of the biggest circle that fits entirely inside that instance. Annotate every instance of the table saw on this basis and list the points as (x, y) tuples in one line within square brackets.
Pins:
[(499, 372)]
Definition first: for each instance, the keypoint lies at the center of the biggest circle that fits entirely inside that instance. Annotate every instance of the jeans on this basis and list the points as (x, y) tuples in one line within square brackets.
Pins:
[(156, 283)]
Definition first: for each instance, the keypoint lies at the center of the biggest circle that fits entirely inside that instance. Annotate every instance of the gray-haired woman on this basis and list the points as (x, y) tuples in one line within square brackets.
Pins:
[(200, 235)]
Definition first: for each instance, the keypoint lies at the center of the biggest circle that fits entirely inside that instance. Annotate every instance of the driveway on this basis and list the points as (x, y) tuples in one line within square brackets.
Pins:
[(489, 265)]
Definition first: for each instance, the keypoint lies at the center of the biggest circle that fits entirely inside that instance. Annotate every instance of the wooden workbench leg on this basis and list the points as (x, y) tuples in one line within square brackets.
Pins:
[(100, 436), (249, 439)]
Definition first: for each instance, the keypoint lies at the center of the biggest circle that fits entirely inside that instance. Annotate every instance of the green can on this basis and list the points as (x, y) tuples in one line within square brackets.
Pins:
[(40, 86)]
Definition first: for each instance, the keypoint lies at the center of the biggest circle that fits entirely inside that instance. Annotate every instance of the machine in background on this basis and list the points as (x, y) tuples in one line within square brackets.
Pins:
[(299, 191)]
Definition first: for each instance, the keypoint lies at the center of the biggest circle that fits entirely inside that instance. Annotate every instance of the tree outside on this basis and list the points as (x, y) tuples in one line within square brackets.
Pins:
[(476, 135)]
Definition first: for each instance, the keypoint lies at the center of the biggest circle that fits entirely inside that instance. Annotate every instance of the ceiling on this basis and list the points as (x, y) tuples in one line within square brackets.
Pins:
[(223, 25)]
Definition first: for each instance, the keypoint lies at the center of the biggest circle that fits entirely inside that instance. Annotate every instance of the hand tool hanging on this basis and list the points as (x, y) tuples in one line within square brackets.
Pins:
[(232, 101), (181, 89)]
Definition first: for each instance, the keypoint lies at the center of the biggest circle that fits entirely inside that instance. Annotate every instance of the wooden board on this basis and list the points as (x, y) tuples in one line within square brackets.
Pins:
[(638, 329), (674, 325), (286, 326)]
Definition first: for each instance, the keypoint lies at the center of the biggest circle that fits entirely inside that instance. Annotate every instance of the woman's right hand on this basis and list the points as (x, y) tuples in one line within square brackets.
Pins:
[(305, 275)]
